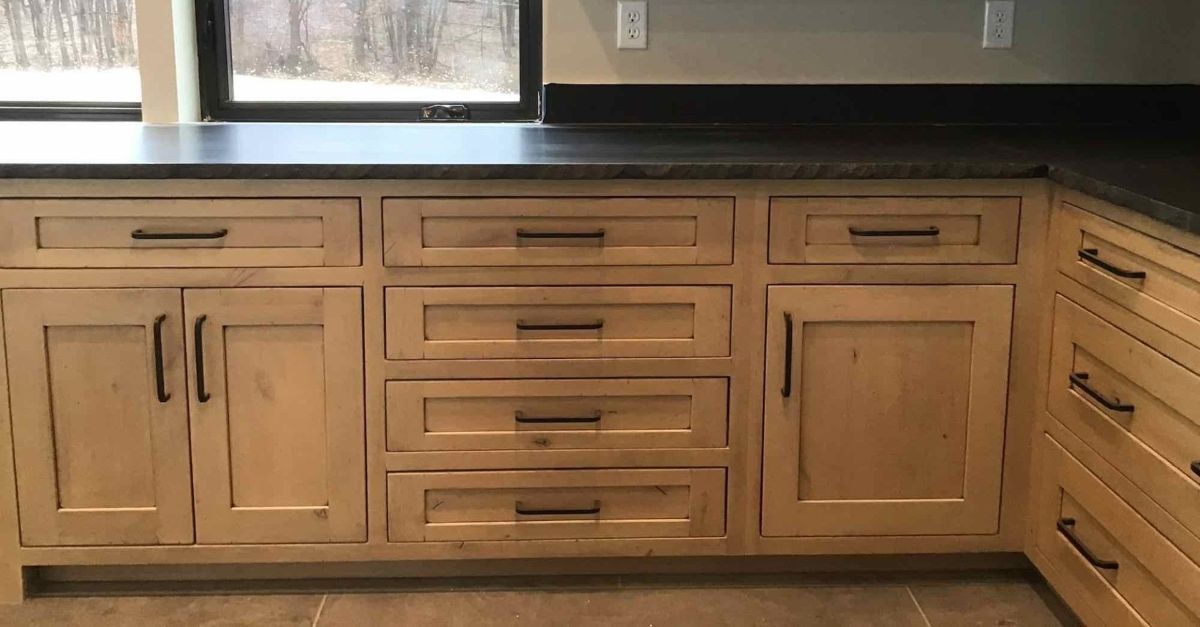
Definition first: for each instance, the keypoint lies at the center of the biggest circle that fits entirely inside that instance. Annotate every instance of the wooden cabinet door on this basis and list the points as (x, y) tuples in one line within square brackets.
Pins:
[(99, 415), (277, 414), (885, 415)]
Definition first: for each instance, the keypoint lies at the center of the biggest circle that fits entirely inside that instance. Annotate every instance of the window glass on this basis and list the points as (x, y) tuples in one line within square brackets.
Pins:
[(68, 51), (422, 51)]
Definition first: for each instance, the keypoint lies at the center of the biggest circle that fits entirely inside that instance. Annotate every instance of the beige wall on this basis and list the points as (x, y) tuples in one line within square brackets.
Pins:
[(875, 41)]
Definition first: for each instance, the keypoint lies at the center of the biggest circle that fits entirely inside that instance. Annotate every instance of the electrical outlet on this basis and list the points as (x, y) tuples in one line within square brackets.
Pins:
[(633, 25), (998, 23)]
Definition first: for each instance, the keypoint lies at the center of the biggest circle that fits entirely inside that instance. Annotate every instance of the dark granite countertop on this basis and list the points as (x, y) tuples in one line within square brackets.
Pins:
[(1154, 170)]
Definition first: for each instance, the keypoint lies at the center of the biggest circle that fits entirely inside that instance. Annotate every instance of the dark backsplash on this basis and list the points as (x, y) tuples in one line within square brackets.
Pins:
[(1022, 104)]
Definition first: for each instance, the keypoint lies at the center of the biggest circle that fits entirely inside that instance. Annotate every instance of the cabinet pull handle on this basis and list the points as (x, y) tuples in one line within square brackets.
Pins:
[(160, 382), (932, 231), (1079, 380), (1066, 526), (142, 234), (578, 326), (1196, 468), (527, 234), (788, 336), (202, 394), (585, 511), (1092, 256), (591, 418)]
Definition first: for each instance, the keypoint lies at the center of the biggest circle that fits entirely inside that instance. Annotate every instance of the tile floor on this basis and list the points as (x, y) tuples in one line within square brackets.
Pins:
[(952, 601)]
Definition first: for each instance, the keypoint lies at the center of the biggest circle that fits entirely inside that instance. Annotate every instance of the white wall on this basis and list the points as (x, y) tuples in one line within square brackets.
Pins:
[(876, 41)]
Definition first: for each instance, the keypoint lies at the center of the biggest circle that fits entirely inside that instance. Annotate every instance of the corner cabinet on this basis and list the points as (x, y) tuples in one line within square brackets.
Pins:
[(885, 410), (129, 402)]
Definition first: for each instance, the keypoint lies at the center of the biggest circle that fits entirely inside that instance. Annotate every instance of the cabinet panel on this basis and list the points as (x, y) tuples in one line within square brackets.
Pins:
[(277, 414), (101, 439), (549, 414), (885, 410), (567, 231), (557, 322)]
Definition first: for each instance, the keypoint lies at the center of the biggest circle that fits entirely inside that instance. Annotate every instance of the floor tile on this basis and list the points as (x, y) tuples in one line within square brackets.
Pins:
[(172, 611), (985, 604), (876, 606)]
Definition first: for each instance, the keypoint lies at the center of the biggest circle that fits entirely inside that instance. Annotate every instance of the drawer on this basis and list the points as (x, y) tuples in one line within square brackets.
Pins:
[(1147, 276), (894, 230), (179, 233), (557, 231), (557, 322), (556, 505), (556, 414), (1135, 406), (1114, 561)]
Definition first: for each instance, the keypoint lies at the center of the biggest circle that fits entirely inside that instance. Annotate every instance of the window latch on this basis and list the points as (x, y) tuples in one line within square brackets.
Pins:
[(445, 113)]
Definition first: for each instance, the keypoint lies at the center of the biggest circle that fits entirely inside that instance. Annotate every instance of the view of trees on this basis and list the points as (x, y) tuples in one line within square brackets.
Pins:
[(44, 34), (469, 44)]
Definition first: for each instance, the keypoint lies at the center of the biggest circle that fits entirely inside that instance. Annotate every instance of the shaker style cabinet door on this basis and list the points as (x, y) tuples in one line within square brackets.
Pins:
[(99, 413), (885, 410), (277, 414)]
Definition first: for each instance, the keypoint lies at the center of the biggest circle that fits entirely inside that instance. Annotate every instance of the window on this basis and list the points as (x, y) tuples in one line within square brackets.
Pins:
[(381, 60), (68, 58)]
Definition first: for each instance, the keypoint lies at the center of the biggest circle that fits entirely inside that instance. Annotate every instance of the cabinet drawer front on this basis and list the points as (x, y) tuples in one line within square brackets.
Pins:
[(180, 233), (556, 414), (1112, 259), (557, 231), (1134, 405), (894, 230), (556, 504), (1107, 551), (557, 322)]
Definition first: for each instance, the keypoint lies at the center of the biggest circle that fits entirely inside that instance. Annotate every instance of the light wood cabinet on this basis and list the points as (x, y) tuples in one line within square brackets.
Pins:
[(885, 410), (272, 395), (277, 414), (100, 424)]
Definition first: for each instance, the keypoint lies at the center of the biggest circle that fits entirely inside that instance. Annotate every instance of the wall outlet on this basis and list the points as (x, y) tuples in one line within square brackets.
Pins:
[(633, 25), (998, 23)]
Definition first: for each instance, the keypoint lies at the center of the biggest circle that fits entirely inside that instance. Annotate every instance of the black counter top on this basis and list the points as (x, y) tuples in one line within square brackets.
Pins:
[(1150, 170)]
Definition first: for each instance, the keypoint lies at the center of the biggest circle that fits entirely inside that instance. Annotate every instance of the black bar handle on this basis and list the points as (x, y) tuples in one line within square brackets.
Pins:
[(202, 394), (788, 336), (142, 234), (583, 326), (591, 418), (932, 231), (1080, 379), (1196, 468), (160, 382), (527, 234), (586, 511), (1066, 526), (1092, 256)]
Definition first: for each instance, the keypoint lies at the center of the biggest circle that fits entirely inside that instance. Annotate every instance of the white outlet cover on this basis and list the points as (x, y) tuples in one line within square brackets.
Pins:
[(633, 24), (999, 21)]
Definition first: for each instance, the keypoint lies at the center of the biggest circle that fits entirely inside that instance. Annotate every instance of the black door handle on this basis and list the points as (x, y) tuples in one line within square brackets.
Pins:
[(788, 336), (586, 511), (1079, 380), (591, 418), (932, 231), (1092, 256), (141, 234), (527, 234), (202, 394), (1066, 526), (160, 382), (584, 326)]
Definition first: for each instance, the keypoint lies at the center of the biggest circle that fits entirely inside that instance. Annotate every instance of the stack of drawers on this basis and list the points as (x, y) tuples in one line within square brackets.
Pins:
[(1118, 499), (551, 329)]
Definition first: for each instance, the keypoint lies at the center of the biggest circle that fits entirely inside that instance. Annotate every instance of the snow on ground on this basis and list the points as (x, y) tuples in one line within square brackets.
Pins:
[(124, 85)]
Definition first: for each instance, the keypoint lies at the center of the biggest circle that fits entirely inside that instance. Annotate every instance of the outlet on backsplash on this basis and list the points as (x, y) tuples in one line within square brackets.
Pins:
[(633, 25), (998, 24)]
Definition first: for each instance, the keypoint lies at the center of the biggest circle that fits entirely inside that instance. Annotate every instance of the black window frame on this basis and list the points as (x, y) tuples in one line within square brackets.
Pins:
[(212, 31), (30, 110)]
